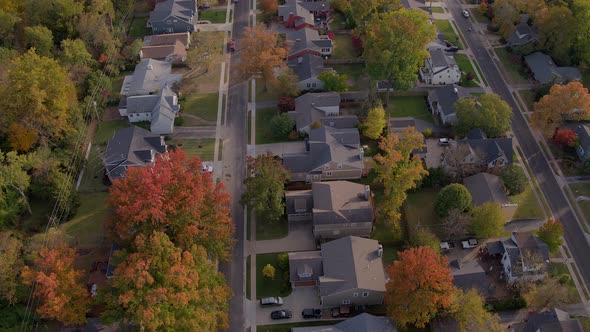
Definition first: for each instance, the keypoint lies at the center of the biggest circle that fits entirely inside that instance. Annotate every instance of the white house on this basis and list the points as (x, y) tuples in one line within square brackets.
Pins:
[(160, 110), (440, 69)]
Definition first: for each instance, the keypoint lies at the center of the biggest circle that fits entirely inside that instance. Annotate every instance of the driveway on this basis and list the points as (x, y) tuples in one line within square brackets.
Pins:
[(299, 238), (433, 153), (301, 298), (523, 225), (278, 149)]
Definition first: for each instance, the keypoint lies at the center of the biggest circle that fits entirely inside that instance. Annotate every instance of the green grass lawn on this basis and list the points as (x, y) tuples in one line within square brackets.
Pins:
[(204, 147), (94, 171), (268, 95), (403, 106), (42, 209), (465, 65), (558, 269), (192, 122), (87, 226), (269, 230), (106, 129), (357, 77), (445, 28), (529, 99), (203, 105), (215, 16), (528, 206), (479, 17), (287, 327), (265, 287), (343, 48), (419, 211), (515, 71), (263, 130), (138, 27), (582, 189), (437, 10)]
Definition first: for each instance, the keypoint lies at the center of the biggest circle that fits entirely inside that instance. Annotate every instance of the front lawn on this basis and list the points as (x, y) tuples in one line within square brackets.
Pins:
[(343, 48), (465, 65), (92, 179), (204, 147), (266, 287), (437, 10), (528, 206), (270, 230), (445, 28), (203, 105), (357, 76), (560, 269), (513, 66), (528, 97), (261, 95), (263, 130), (138, 28), (479, 17), (87, 227), (106, 129), (215, 16), (404, 106)]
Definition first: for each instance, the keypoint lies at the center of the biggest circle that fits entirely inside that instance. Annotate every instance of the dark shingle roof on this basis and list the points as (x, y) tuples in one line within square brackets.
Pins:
[(440, 59), (583, 132), (345, 201), (307, 66), (484, 188), (312, 107), (490, 149), (554, 320), (468, 275), (181, 9), (307, 38), (362, 323), (447, 95), (546, 71)]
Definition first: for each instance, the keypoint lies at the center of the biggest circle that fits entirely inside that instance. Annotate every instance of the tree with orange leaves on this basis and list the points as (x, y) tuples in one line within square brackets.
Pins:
[(269, 7), (21, 138), (564, 102), (162, 287), (173, 196), (420, 286), (63, 297), (261, 52)]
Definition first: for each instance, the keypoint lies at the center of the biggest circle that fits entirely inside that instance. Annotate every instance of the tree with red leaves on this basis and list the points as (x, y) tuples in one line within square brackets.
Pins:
[(173, 196), (58, 285), (565, 138), (421, 285), (286, 104)]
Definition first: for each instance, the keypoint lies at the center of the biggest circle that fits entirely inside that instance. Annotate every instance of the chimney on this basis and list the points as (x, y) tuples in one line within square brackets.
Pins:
[(300, 60), (150, 67), (361, 153), (367, 193), (380, 251), (298, 40), (455, 90)]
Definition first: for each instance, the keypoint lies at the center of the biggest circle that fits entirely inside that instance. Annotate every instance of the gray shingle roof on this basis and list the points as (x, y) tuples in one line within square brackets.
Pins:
[(295, 7), (546, 71), (344, 201), (298, 201), (182, 9), (307, 38), (130, 147), (362, 323), (523, 34), (468, 275), (351, 262), (307, 66), (490, 149), (149, 76), (484, 188), (167, 39), (312, 107), (583, 132), (447, 95), (440, 59), (305, 262), (163, 108), (525, 242), (553, 320)]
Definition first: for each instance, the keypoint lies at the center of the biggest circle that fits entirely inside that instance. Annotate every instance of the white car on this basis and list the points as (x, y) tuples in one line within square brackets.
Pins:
[(465, 13), (468, 244), (207, 168), (444, 141)]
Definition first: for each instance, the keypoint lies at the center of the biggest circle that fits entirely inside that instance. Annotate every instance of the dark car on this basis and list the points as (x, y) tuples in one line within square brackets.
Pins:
[(281, 314), (231, 45), (452, 49), (311, 313)]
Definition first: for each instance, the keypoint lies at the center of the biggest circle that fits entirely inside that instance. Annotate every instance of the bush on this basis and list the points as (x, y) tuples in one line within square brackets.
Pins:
[(511, 304), (283, 264), (179, 121), (514, 179), (281, 125), (469, 76), (454, 196), (286, 104), (293, 136), (565, 138), (437, 177), (564, 278), (427, 132)]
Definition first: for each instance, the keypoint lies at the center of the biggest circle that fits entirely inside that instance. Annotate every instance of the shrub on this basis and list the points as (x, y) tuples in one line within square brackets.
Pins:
[(293, 136), (564, 278), (427, 132), (283, 262), (454, 196), (268, 271), (281, 125), (565, 138), (286, 104), (469, 76), (514, 179), (179, 121)]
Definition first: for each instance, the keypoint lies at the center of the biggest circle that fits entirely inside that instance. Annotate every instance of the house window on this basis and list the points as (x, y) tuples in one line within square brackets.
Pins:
[(131, 115), (168, 22), (313, 85), (174, 21), (315, 177), (355, 294), (308, 85), (339, 166), (304, 275), (365, 294), (329, 173), (345, 301)]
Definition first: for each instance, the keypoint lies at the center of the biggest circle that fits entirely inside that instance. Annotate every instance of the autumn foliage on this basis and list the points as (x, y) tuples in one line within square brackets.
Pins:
[(421, 285), (564, 102), (551, 233), (21, 138), (172, 196), (261, 53), (565, 137), (58, 285), (269, 7)]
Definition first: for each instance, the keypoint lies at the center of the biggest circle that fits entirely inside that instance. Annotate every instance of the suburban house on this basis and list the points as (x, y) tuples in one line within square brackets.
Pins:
[(170, 53), (331, 154), (398, 125), (307, 68), (440, 69), (550, 320), (545, 71), (131, 147), (486, 188), (523, 34), (308, 41), (322, 108), (583, 148), (469, 274), (441, 102), (298, 14), (173, 16), (477, 153), (362, 323), (168, 39), (524, 256), (148, 77), (160, 110), (351, 272), (337, 209)]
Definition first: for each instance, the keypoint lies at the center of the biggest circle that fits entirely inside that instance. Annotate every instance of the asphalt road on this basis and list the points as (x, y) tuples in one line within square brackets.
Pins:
[(573, 233), (234, 161)]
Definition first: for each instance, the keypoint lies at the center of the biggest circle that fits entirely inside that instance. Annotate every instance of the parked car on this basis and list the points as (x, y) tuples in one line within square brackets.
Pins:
[(470, 243), (465, 13), (206, 5), (207, 168), (231, 45), (444, 141), (311, 313), (271, 301), (452, 49), (448, 245), (281, 314), (341, 312)]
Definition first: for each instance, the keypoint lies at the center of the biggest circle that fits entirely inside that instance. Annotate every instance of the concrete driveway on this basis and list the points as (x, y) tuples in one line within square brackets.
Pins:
[(434, 153), (301, 298), (299, 238), (278, 149)]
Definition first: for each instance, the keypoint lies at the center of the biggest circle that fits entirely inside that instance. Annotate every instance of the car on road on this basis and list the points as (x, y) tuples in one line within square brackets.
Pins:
[(468, 244), (311, 313), (281, 314), (465, 13), (271, 301), (452, 49), (231, 45), (444, 141)]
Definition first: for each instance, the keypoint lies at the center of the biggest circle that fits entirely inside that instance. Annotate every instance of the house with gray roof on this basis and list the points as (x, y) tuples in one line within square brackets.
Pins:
[(469, 275), (331, 154), (488, 188), (553, 320), (440, 69), (522, 35), (148, 77), (322, 107), (362, 323), (160, 110), (131, 147), (307, 68), (305, 268), (308, 41), (298, 14), (524, 256), (173, 16), (175, 53), (168, 39), (545, 71), (583, 148), (398, 125), (337, 209), (441, 102)]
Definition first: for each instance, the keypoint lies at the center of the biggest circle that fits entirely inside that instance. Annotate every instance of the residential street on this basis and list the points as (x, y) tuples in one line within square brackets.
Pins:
[(558, 203)]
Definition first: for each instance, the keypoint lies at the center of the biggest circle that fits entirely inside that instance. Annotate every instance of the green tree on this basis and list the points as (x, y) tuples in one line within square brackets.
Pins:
[(8, 21), (395, 46), (551, 233), (488, 112), (268, 271), (14, 183), (452, 197), (333, 81), (581, 11), (423, 237), (514, 179), (469, 311), (281, 125), (545, 295), (488, 220), (286, 83), (40, 38), (11, 263), (265, 187), (375, 123), (61, 17), (183, 288), (555, 36), (363, 10), (74, 52)]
